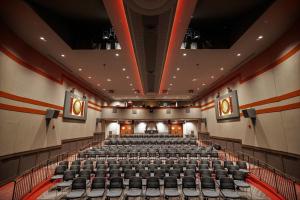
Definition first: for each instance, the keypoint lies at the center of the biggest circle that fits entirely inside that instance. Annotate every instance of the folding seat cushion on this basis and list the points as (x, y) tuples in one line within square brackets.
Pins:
[(153, 187), (115, 187), (78, 188), (135, 187), (189, 187), (59, 172), (239, 179), (227, 188), (97, 188), (208, 188), (67, 179), (127, 175), (171, 187)]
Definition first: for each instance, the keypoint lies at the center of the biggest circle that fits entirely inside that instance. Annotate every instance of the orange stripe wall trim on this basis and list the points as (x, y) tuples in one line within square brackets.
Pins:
[(44, 73), (21, 109), (30, 101), (38, 103), (257, 73), (272, 100), (274, 64), (29, 66), (263, 102)]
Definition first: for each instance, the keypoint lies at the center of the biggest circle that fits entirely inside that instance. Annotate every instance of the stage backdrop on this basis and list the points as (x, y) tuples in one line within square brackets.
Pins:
[(227, 106), (75, 107)]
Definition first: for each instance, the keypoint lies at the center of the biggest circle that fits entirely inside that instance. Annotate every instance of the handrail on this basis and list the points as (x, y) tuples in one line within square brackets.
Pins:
[(282, 183), (30, 178)]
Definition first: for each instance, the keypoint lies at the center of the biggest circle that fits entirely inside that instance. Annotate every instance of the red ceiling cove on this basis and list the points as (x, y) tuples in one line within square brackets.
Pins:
[(116, 12), (183, 12)]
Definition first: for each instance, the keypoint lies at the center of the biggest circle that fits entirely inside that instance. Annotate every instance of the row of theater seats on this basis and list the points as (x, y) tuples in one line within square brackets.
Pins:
[(165, 135), (150, 151), (114, 175), (145, 141)]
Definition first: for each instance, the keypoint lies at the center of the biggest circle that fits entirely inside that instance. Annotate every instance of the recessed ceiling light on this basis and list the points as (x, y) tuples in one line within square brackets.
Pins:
[(174, 76), (127, 77), (79, 69), (203, 84), (238, 54), (132, 89), (43, 39), (109, 80), (124, 69), (98, 84), (194, 79), (198, 88), (171, 84), (260, 37), (63, 55), (184, 54), (212, 77), (178, 68), (131, 84), (103, 89), (89, 77), (117, 54), (221, 68)]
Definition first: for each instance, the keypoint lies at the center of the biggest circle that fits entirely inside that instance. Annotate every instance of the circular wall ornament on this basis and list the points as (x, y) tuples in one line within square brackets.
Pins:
[(225, 106), (77, 107)]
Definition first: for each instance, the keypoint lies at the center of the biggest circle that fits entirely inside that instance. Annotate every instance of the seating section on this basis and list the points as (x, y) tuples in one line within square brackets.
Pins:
[(151, 171)]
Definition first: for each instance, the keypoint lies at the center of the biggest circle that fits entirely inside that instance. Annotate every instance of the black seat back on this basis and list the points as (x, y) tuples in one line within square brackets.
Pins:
[(135, 182), (170, 182), (208, 183), (116, 182), (98, 183), (188, 182), (227, 183), (68, 175), (153, 182), (79, 183)]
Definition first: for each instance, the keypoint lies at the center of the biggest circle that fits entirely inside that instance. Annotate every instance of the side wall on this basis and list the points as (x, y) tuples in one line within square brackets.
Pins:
[(270, 83), (29, 85)]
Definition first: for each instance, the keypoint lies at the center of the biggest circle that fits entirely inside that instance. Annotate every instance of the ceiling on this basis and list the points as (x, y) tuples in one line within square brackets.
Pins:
[(150, 63)]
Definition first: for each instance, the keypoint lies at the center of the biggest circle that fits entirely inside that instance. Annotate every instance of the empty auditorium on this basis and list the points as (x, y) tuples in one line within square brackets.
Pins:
[(150, 99)]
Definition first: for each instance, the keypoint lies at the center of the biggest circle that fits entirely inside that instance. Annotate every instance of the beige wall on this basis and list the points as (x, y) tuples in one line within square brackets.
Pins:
[(21, 131), (277, 130)]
